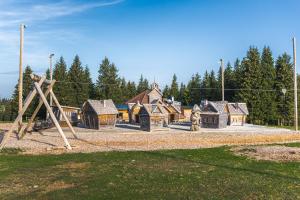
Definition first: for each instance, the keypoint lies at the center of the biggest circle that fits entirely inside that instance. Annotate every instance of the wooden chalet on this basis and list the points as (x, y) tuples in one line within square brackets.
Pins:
[(72, 113), (153, 117), (237, 114), (99, 113), (153, 96), (214, 114)]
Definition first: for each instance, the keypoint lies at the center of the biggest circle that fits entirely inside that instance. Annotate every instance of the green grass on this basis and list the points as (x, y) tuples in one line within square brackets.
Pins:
[(286, 127), (175, 174)]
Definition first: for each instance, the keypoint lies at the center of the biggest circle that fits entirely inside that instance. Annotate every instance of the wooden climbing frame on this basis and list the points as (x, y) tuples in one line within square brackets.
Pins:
[(38, 82)]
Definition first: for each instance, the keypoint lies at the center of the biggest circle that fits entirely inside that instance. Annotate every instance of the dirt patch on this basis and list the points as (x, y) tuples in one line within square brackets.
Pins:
[(58, 185), (74, 165), (272, 153)]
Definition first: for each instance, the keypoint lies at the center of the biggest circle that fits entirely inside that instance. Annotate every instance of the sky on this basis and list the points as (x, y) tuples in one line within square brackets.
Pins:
[(156, 38)]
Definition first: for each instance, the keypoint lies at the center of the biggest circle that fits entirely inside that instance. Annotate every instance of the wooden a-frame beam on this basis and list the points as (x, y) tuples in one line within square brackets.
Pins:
[(26, 105), (63, 113), (24, 129), (39, 90)]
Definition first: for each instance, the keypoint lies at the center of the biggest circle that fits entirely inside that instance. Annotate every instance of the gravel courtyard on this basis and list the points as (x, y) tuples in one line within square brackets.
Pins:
[(128, 138)]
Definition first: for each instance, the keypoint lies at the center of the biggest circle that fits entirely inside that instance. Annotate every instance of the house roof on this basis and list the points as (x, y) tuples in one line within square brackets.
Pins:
[(142, 98), (167, 105), (154, 109), (218, 107), (102, 107), (238, 108), (122, 107)]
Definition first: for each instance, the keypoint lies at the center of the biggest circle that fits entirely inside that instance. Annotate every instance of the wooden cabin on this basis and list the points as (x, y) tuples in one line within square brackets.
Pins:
[(153, 96), (214, 114), (153, 117), (99, 113), (237, 114), (72, 113), (145, 97), (123, 115)]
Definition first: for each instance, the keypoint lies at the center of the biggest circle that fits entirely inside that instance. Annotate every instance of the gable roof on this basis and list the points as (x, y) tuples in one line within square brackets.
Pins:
[(238, 108), (154, 109), (167, 105), (218, 107), (142, 98), (102, 107)]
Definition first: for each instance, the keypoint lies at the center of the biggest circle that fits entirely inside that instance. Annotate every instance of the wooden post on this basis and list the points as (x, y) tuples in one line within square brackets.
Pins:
[(52, 115), (24, 129), (20, 88), (295, 84), (63, 113), (17, 120)]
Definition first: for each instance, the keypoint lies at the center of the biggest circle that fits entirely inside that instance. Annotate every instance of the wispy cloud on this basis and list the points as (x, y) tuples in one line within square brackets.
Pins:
[(37, 47), (39, 12)]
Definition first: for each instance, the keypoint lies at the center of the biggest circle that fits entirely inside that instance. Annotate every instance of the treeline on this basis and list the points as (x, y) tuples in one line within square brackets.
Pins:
[(258, 79)]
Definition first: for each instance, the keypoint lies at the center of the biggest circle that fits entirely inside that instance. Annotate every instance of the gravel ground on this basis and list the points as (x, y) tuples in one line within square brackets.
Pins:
[(129, 137)]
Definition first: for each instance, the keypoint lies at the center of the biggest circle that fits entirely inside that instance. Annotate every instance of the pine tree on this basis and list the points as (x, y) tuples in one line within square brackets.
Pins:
[(166, 92), (61, 87), (229, 83), (237, 77), (89, 84), (205, 87), (108, 82), (194, 89), (78, 91), (143, 85), (183, 95), (268, 105), (27, 87), (251, 84), (174, 91), (215, 91), (124, 91), (131, 89), (284, 80)]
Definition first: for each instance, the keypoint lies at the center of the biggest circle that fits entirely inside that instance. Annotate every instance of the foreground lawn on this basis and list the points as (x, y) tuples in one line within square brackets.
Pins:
[(178, 174)]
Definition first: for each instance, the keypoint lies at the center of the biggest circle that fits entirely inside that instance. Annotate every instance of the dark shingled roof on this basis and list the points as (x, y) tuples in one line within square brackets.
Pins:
[(103, 107), (238, 108), (218, 107), (142, 98)]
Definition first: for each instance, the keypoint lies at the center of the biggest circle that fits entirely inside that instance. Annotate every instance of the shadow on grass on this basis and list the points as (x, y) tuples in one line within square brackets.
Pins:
[(161, 154)]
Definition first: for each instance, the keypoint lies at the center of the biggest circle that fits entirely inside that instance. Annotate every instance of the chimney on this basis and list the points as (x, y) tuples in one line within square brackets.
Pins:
[(172, 99), (236, 105), (104, 103), (205, 102)]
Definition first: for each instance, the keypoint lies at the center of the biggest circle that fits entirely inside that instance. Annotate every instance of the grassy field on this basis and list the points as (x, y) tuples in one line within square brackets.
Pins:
[(178, 174)]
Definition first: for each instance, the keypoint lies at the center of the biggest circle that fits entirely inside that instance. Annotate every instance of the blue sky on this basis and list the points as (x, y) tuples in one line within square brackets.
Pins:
[(152, 37)]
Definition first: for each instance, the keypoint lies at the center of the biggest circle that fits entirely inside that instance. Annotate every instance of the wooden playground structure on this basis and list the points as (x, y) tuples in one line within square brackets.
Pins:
[(38, 82)]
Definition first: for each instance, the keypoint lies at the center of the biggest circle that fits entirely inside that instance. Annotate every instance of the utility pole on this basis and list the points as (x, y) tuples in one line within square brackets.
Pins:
[(222, 69), (295, 84), (20, 89), (51, 78)]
